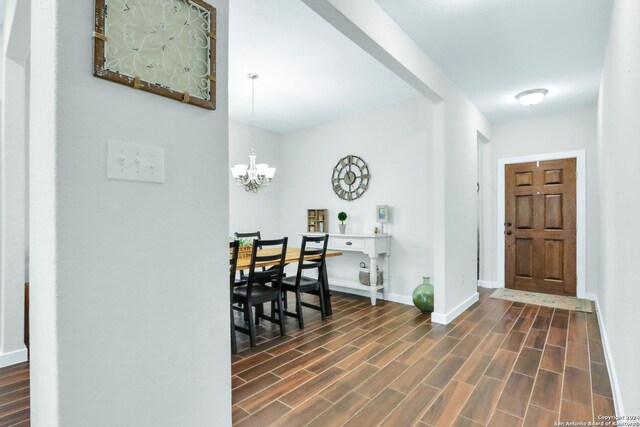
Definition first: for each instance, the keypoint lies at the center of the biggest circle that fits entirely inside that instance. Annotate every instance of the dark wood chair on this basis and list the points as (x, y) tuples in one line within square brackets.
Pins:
[(233, 263), (262, 286), (303, 284)]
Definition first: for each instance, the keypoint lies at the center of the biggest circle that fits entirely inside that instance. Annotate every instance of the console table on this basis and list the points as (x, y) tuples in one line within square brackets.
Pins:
[(372, 245)]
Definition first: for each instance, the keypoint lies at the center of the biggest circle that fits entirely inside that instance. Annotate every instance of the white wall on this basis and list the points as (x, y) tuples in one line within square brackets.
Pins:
[(13, 143), (457, 127), (129, 315), (463, 129), (259, 211), (575, 130), (396, 142), (619, 153)]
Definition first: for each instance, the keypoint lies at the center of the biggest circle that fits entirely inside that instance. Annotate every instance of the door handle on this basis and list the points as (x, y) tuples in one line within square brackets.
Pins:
[(508, 233), (508, 224)]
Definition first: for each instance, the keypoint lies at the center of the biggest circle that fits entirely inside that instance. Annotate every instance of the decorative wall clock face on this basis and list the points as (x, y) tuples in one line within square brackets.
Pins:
[(350, 178)]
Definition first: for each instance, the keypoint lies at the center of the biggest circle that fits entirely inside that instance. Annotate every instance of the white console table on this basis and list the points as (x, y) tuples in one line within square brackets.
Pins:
[(372, 245)]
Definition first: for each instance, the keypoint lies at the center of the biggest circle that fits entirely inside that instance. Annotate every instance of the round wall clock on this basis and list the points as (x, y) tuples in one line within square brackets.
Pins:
[(350, 177)]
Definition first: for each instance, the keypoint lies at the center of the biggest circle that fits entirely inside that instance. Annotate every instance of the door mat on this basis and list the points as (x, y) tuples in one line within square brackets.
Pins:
[(547, 300)]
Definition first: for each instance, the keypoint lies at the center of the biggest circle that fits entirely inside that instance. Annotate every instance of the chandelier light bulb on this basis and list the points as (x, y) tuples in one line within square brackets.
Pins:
[(532, 97)]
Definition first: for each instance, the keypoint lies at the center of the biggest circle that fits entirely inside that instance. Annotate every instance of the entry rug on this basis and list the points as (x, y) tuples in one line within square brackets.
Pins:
[(547, 300)]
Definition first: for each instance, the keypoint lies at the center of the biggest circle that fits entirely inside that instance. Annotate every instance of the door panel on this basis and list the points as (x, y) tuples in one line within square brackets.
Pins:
[(553, 218), (524, 257), (540, 226), (524, 212)]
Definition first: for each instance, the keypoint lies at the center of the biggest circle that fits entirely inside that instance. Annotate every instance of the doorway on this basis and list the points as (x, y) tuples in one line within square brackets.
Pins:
[(540, 226)]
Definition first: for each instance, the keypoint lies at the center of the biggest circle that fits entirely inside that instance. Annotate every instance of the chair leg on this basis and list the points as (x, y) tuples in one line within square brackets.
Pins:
[(259, 313), (252, 327), (234, 345), (299, 309), (281, 315), (322, 304)]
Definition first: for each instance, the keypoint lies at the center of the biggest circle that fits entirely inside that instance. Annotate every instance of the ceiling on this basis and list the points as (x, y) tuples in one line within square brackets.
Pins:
[(494, 49), (309, 72)]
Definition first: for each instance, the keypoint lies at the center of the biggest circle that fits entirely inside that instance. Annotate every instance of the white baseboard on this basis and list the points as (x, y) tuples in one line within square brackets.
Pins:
[(445, 319), (488, 284), (615, 386), (18, 356), (402, 299), (347, 290)]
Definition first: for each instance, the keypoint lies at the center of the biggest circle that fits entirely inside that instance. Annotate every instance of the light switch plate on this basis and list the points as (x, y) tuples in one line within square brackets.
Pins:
[(134, 162)]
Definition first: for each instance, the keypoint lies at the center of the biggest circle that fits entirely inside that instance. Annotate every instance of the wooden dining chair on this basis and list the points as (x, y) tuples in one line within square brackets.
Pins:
[(301, 284), (233, 263), (263, 286)]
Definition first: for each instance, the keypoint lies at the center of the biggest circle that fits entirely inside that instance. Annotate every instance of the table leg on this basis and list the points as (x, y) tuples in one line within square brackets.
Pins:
[(385, 281), (373, 277)]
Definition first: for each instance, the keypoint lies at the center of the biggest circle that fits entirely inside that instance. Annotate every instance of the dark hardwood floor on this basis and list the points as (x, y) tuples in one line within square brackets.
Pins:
[(14, 395), (498, 364)]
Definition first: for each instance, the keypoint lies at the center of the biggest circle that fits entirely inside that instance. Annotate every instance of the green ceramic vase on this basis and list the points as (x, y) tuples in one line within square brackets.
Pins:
[(423, 296)]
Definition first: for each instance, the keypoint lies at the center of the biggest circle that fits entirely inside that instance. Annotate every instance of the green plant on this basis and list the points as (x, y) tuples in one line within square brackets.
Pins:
[(342, 217), (245, 242)]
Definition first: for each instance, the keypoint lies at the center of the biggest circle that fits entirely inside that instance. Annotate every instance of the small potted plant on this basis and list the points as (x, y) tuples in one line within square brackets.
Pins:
[(244, 247), (342, 217)]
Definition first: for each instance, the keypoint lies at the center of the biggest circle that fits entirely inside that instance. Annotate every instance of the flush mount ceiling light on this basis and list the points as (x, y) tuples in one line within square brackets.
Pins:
[(532, 97)]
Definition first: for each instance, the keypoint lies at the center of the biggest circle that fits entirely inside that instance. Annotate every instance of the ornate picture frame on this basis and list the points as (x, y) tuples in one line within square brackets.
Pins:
[(166, 47)]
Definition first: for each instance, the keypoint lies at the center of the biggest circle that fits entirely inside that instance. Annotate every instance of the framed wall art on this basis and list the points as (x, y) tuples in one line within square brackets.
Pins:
[(166, 47), (382, 213)]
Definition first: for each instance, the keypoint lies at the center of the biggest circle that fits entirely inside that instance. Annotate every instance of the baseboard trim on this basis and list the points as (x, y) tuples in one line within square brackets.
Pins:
[(13, 358), (353, 291), (402, 299), (615, 386), (488, 284), (445, 319), (399, 298)]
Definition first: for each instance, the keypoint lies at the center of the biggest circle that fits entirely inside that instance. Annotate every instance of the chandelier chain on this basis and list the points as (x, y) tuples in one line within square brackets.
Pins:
[(253, 114)]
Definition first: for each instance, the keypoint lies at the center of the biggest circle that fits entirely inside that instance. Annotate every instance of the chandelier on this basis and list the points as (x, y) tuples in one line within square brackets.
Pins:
[(253, 176)]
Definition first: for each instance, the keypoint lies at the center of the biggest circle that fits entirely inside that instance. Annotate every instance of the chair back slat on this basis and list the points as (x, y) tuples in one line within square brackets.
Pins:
[(319, 252), (254, 235), (276, 251)]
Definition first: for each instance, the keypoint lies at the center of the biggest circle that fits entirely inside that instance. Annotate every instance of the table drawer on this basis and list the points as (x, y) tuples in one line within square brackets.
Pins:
[(346, 243)]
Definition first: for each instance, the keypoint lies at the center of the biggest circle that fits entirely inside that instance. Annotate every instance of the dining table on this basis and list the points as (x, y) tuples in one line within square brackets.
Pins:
[(293, 255)]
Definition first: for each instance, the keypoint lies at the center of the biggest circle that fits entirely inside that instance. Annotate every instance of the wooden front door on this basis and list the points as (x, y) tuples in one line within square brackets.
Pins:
[(540, 226)]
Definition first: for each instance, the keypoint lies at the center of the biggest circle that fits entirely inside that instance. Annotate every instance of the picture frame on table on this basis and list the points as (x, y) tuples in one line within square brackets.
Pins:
[(382, 213)]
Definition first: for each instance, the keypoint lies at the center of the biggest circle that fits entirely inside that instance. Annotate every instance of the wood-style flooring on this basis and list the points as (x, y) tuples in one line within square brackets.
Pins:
[(498, 364), (14, 395)]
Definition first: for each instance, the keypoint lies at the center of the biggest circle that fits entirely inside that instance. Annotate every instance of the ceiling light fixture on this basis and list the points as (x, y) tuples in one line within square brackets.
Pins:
[(253, 176), (532, 97)]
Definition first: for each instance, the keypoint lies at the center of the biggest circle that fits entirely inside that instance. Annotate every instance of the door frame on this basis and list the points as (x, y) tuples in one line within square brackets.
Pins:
[(581, 212)]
